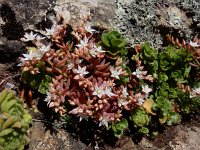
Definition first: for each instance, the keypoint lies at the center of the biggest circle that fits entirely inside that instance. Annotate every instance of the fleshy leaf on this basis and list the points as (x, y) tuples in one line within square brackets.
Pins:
[(147, 105), (44, 85)]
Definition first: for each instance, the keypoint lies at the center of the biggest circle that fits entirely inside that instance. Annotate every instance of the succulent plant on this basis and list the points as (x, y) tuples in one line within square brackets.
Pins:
[(85, 77), (93, 78), (114, 43), (140, 118), (119, 127), (14, 122)]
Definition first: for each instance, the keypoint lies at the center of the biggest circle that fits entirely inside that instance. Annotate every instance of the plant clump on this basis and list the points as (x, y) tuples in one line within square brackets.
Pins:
[(14, 122), (79, 77), (176, 88), (114, 44), (93, 78)]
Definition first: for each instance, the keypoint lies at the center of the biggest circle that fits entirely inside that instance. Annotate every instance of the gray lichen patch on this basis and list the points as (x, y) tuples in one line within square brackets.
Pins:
[(101, 11), (137, 21), (143, 20), (175, 18)]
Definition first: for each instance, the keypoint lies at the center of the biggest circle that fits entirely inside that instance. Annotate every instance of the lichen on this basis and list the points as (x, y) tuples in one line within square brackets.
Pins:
[(142, 20)]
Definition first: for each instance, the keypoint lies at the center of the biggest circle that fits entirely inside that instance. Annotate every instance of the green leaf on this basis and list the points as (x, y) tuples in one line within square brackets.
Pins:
[(124, 80), (171, 53), (154, 134), (163, 93), (187, 71), (114, 35), (154, 66), (188, 105), (27, 118), (162, 77), (105, 39), (165, 86), (144, 130), (148, 52), (173, 93), (114, 44), (40, 65), (44, 85), (31, 80), (173, 118), (119, 127), (135, 57), (118, 43), (176, 74), (162, 105), (140, 118)]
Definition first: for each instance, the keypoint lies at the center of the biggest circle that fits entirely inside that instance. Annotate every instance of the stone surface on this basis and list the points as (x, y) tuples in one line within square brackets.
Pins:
[(46, 139), (102, 12), (139, 20), (30, 12), (151, 20), (176, 138)]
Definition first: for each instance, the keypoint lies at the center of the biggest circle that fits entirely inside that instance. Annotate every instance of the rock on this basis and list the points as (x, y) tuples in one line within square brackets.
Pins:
[(29, 12), (151, 20), (10, 50), (101, 11), (175, 18), (48, 139)]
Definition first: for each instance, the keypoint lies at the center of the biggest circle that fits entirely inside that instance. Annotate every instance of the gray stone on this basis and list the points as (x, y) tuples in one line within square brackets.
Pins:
[(140, 21), (147, 19)]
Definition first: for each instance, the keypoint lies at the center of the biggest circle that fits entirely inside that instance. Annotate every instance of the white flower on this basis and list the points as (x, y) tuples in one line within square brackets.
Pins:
[(48, 98), (124, 92), (29, 56), (140, 98), (122, 102), (29, 37), (99, 49), (45, 48), (139, 73), (104, 120), (194, 44), (89, 29), (70, 64), (81, 71), (39, 38), (99, 91), (114, 73), (83, 43), (146, 89), (197, 91), (82, 116), (108, 92), (32, 54), (80, 112), (95, 50), (50, 32)]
